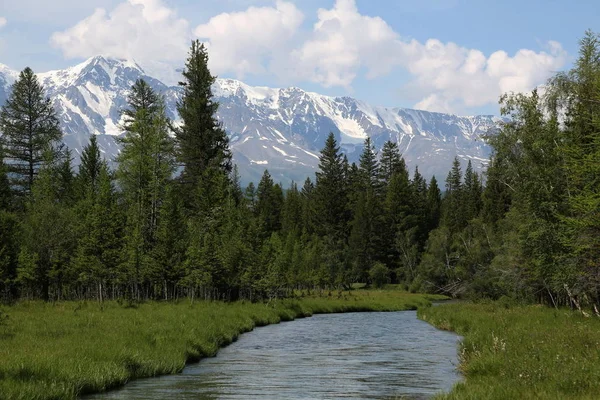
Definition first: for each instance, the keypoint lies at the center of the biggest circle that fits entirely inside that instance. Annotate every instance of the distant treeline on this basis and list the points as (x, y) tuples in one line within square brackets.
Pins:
[(144, 231)]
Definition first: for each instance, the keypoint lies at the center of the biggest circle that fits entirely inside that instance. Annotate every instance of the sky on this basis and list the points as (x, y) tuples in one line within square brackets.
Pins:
[(455, 56)]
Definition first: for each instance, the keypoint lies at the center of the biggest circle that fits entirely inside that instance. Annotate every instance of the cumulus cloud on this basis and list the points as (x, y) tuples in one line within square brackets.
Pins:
[(342, 42), (2, 22), (340, 46), (246, 42), (145, 30), (450, 78), (446, 77)]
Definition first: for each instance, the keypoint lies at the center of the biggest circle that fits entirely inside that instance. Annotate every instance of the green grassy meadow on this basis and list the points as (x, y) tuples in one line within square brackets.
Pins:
[(522, 352), (63, 350)]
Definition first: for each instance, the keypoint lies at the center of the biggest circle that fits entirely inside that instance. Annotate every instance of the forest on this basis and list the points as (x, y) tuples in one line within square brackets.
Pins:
[(169, 217)]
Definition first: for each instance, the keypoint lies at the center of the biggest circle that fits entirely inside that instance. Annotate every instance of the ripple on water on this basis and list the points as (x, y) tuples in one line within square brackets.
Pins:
[(353, 355)]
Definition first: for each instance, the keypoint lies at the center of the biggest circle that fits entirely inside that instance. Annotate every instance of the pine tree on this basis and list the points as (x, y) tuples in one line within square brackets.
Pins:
[(331, 193), (366, 226), (369, 166), (250, 196), (292, 211), (170, 244), (473, 190), (146, 163), (98, 249), (391, 162), (308, 207), (30, 128), (497, 195), (419, 205), (434, 204), (89, 168), (332, 212), (453, 214), (269, 205), (48, 237), (202, 143)]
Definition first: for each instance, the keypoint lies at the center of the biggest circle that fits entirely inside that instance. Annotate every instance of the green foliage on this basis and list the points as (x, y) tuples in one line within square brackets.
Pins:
[(379, 274), (29, 128), (201, 141)]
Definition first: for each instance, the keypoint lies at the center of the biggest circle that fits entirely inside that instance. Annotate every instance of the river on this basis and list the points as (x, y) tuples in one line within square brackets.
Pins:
[(354, 355)]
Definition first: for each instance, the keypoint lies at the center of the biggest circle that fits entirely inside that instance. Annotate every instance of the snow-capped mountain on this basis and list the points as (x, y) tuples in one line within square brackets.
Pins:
[(279, 129)]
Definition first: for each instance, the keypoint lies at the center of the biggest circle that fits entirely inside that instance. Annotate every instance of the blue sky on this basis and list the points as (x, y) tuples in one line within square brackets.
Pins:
[(442, 55)]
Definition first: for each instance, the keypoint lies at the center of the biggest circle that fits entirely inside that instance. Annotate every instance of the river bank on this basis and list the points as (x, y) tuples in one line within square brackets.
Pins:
[(64, 350), (521, 352)]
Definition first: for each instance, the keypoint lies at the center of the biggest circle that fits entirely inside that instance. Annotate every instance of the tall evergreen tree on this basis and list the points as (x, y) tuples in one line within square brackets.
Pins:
[(453, 213), (331, 192), (269, 204), (473, 190), (434, 204), (90, 166), (30, 128), (146, 163), (201, 141), (366, 226), (48, 237), (391, 161)]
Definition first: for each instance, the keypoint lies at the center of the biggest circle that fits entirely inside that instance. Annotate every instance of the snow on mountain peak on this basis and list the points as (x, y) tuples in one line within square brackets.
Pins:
[(283, 128)]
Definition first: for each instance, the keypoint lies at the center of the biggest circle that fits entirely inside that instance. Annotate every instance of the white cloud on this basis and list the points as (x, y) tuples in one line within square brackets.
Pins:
[(2, 22), (450, 78), (446, 77), (342, 42), (145, 30), (342, 45), (246, 42)]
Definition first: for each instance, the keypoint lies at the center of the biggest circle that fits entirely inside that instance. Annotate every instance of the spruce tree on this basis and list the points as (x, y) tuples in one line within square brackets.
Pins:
[(201, 140), (331, 192), (48, 236), (98, 249), (30, 127), (89, 168), (308, 206), (369, 166), (391, 161), (366, 226), (453, 214), (473, 189), (332, 212), (292, 211), (269, 205), (146, 163), (434, 203)]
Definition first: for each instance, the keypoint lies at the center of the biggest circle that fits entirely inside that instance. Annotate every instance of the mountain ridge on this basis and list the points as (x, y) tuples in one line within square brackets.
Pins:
[(281, 129)]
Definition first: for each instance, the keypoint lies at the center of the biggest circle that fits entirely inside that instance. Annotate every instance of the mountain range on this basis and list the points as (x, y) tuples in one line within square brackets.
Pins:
[(282, 130)]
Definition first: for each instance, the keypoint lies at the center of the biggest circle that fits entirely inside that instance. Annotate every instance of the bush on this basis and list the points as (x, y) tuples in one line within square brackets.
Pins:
[(416, 285), (380, 275)]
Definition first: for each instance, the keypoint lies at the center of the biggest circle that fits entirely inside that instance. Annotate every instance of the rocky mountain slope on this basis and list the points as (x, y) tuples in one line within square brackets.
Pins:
[(279, 129)]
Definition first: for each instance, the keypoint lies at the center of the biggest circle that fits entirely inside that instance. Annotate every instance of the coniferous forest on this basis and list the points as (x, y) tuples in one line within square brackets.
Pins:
[(169, 217)]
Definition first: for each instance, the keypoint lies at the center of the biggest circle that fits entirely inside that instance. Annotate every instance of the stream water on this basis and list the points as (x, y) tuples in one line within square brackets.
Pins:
[(354, 355)]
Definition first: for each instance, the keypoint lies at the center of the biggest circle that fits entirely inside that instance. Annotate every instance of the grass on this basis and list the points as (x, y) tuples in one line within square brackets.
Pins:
[(522, 352), (63, 350)]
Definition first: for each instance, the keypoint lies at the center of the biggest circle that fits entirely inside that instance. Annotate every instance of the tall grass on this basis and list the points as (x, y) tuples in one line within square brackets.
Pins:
[(522, 352), (63, 350)]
